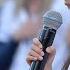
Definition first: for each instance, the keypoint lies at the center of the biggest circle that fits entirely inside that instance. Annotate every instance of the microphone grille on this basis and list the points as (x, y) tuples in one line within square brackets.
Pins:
[(52, 19)]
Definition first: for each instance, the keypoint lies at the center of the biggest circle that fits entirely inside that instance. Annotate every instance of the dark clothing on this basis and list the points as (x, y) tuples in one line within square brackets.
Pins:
[(7, 51)]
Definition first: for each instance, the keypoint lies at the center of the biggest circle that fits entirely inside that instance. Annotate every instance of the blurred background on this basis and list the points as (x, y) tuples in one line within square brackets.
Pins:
[(21, 20)]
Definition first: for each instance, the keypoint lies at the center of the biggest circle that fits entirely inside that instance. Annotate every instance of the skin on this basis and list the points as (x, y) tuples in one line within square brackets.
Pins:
[(67, 2), (36, 53)]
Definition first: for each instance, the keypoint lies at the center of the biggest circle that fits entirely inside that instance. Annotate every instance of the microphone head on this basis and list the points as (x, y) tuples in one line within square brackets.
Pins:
[(52, 19)]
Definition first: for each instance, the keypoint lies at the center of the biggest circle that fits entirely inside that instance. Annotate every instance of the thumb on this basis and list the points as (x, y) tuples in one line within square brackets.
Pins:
[(52, 52)]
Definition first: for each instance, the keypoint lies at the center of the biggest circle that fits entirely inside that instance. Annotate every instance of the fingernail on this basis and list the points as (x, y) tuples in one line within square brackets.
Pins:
[(41, 46), (40, 58), (34, 58), (35, 40), (42, 53)]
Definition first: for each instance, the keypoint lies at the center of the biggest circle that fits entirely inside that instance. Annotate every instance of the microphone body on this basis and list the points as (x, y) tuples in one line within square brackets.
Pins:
[(46, 38)]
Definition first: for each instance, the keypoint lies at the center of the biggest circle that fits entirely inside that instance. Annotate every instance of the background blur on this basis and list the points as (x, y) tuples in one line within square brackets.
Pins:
[(21, 20), (18, 3)]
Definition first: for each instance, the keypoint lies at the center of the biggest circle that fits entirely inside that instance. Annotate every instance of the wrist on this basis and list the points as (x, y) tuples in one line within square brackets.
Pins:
[(48, 67)]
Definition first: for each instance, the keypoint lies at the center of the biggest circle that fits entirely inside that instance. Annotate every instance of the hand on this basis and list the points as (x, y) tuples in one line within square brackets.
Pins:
[(36, 53)]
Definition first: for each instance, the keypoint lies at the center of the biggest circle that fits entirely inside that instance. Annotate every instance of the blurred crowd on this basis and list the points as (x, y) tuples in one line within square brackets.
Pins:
[(21, 20)]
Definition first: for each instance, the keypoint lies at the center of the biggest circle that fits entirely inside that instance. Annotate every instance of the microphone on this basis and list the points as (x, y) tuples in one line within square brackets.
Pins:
[(52, 20)]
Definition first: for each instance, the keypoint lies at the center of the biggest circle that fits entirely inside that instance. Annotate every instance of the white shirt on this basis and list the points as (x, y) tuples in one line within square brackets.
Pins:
[(69, 68), (19, 59), (59, 42), (8, 26)]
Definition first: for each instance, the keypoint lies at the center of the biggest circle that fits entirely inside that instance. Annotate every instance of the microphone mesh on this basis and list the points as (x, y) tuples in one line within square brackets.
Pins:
[(52, 19)]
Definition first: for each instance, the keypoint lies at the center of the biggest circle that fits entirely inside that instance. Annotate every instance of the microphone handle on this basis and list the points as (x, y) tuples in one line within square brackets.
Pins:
[(46, 39)]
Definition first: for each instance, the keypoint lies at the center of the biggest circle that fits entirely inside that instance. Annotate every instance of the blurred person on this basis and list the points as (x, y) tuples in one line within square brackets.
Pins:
[(30, 19)]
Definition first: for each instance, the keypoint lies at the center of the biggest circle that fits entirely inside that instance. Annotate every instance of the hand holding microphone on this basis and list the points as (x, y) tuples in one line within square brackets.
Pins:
[(36, 53), (52, 21)]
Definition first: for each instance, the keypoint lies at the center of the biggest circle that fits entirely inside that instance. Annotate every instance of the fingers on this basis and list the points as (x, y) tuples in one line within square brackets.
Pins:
[(52, 52), (38, 50), (29, 59), (33, 56), (37, 43), (36, 55)]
